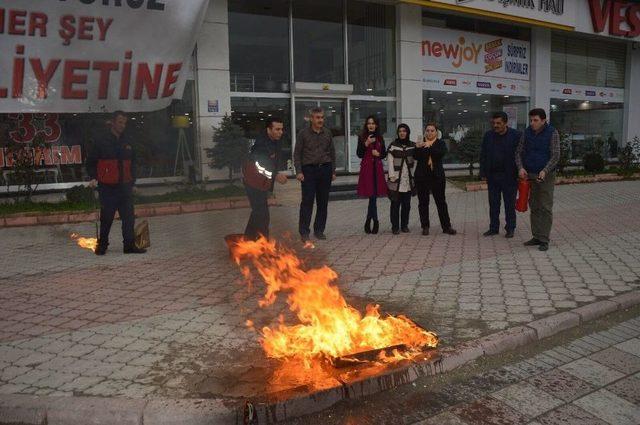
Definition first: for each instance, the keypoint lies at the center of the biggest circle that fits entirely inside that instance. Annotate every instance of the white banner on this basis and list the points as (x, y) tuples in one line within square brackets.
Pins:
[(474, 63), (95, 55)]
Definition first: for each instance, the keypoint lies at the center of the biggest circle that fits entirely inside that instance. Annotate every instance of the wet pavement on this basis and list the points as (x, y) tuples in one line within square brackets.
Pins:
[(172, 323), (584, 376)]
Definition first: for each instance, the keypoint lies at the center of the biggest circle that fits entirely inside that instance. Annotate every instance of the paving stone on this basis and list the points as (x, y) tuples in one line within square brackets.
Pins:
[(610, 408), (592, 372), (627, 388), (618, 360), (561, 385), (569, 414), (488, 411), (527, 399), (631, 346)]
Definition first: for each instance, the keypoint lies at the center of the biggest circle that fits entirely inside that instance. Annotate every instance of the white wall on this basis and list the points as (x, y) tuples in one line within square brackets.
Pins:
[(631, 127), (409, 70), (212, 79)]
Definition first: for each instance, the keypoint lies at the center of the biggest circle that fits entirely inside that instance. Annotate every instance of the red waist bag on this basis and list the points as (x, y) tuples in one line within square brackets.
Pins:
[(524, 188)]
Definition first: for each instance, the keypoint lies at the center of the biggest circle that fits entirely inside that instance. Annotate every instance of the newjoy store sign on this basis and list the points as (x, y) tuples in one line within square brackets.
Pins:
[(474, 63), (95, 55)]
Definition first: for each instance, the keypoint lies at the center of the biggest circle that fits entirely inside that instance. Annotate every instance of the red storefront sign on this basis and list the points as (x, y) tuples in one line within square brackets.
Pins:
[(622, 16)]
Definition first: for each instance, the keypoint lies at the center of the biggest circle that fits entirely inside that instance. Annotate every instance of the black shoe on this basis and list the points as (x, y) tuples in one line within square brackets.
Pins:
[(509, 234), (490, 233), (304, 238), (532, 242), (367, 226), (543, 246), (405, 230), (425, 231), (320, 236), (101, 248), (132, 249), (395, 231), (450, 231), (376, 227)]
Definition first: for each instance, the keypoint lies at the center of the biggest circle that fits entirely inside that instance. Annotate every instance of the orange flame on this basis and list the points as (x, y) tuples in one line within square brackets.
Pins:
[(87, 243), (329, 326)]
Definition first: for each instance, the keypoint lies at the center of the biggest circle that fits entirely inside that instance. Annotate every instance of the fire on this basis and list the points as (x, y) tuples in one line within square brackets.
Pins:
[(329, 327), (308, 245), (87, 243)]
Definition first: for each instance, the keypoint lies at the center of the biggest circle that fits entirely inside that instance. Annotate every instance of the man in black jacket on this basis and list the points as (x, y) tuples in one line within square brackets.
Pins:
[(111, 164), (267, 157), (498, 169)]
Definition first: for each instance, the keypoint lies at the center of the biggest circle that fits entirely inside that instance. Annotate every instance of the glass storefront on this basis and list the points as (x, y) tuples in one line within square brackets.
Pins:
[(259, 46), (250, 113), (163, 141), (459, 114), (587, 62), (589, 124), (360, 110), (372, 65), (318, 41)]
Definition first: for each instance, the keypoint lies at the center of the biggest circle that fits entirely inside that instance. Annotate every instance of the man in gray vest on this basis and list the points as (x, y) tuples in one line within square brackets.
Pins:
[(536, 158)]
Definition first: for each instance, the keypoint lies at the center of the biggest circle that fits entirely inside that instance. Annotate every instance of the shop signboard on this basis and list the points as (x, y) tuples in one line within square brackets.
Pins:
[(95, 56), (560, 14), (474, 63)]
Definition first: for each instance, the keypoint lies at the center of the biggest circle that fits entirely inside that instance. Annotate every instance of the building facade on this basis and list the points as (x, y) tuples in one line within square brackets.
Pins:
[(449, 61)]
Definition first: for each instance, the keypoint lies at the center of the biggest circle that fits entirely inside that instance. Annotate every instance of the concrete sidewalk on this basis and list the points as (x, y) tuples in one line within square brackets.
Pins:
[(171, 324)]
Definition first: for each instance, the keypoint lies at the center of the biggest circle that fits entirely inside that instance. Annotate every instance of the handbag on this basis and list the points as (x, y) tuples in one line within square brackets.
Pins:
[(141, 234), (524, 188)]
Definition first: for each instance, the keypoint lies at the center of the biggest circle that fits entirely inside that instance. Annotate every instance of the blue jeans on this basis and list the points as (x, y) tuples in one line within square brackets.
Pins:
[(315, 187), (501, 186), (372, 210)]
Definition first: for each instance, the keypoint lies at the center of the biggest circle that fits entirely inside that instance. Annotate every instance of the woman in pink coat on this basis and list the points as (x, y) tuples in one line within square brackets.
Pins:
[(371, 182)]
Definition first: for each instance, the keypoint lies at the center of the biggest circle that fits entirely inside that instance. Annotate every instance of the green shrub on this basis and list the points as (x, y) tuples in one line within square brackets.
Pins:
[(80, 195), (593, 162)]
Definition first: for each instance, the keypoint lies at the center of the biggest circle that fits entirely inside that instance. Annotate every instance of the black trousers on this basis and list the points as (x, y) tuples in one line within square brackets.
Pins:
[(400, 211), (435, 186), (259, 219), (315, 187), (501, 186), (117, 198)]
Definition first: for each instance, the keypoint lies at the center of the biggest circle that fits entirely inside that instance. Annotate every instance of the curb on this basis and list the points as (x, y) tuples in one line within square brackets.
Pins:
[(598, 178), (33, 410), (142, 210)]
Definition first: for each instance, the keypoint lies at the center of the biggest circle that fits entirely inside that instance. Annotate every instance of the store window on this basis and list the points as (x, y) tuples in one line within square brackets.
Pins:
[(587, 62), (259, 45), (318, 41), (360, 110), (371, 48), (163, 141), (459, 114), (589, 124), (250, 113)]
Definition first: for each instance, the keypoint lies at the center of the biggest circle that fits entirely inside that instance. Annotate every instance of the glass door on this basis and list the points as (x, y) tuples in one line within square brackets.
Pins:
[(334, 120)]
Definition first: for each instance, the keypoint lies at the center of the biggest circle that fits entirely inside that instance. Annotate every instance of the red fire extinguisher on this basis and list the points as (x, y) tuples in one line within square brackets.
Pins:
[(523, 195)]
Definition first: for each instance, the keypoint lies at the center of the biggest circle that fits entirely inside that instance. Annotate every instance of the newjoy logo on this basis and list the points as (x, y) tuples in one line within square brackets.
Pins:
[(458, 53)]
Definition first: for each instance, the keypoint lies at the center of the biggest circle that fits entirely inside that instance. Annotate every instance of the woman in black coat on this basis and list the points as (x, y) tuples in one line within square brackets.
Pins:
[(430, 178)]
